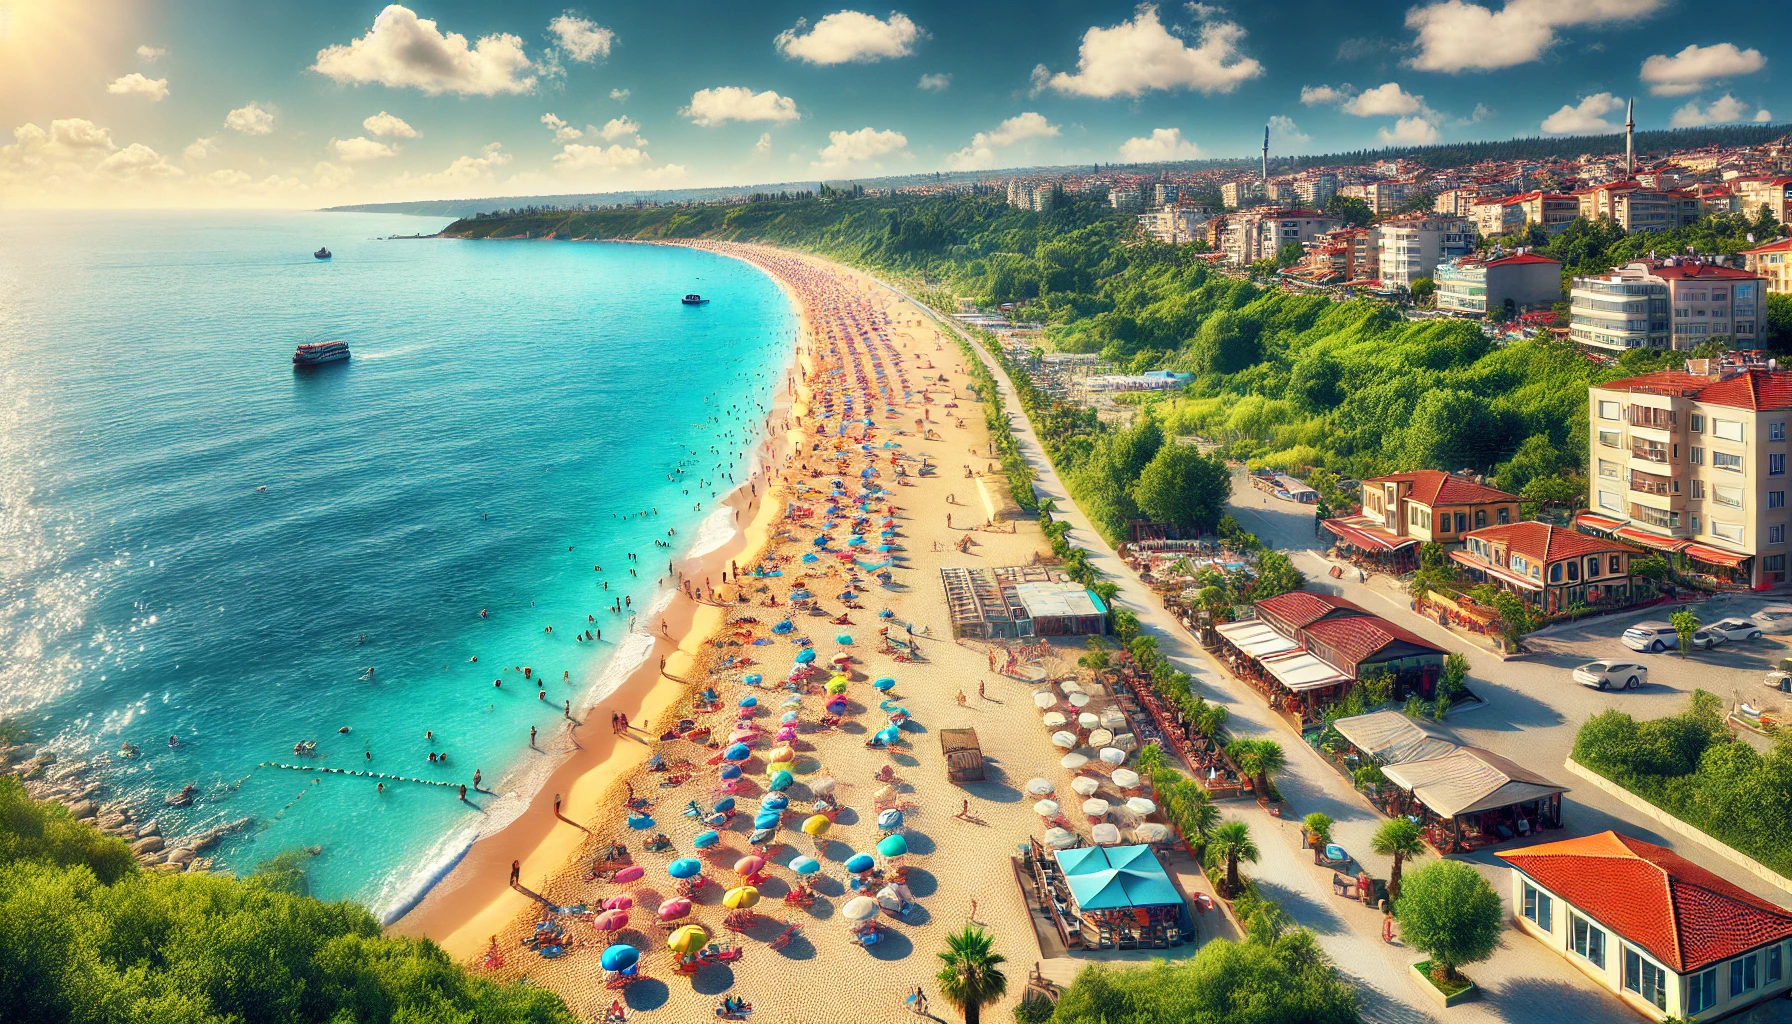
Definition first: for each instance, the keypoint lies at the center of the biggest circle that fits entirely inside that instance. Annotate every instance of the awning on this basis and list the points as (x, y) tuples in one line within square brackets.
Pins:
[(1468, 780), (1254, 638), (1714, 556), (1596, 522), (1647, 539), (1490, 569), (1300, 671), (1389, 737), (1362, 533)]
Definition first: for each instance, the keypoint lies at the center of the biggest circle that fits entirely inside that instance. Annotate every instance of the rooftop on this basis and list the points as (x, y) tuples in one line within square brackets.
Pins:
[(1547, 543), (1435, 487), (1755, 389)]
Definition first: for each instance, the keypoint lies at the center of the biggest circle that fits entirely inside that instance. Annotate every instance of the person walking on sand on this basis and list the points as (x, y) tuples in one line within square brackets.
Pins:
[(964, 813), (516, 871), (973, 911), (961, 698), (569, 709), (980, 694), (1387, 925), (612, 723), (463, 792), (556, 805), (531, 736)]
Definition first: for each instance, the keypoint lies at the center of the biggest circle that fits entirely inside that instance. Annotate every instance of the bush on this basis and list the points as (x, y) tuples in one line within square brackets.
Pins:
[(1286, 981), (1450, 912)]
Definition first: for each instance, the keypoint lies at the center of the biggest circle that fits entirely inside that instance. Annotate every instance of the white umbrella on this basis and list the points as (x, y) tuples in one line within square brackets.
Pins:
[(859, 908), (1105, 834), (1113, 718), (1095, 807), (1078, 699), (1083, 785), (1151, 832), (889, 897), (1046, 808), (1055, 719), (1126, 778), (1044, 699), (1141, 805), (1112, 755), (1073, 760), (1088, 720), (1040, 787), (1071, 686), (1100, 738), (825, 784), (1059, 839), (1064, 739)]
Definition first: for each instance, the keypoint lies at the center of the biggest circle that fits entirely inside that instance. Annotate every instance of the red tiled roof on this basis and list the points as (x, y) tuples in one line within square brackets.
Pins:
[(1359, 637), (1523, 257), (1782, 245), (1700, 270), (1754, 389), (1685, 916), (1301, 608), (1546, 543), (1435, 487)]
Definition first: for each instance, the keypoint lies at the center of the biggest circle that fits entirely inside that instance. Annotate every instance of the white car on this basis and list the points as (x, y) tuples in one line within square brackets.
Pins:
[(1736, 629), (1775, 618), (1607, 673), (1704, 638), (1653, 637)]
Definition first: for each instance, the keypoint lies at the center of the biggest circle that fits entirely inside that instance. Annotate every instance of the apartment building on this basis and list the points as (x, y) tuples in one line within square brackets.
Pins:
[(1239, 194), (1773, 264), (1496, 216), (1470, 286), (1260, 234), (1126, 199), (1552, 211), (1315, 188), (1752, 194), (1693, 462), (1382, 197), (1668, 305), (1456, 202), (1164, 194), (1412, 246), (1634, 208), (1174, 225)]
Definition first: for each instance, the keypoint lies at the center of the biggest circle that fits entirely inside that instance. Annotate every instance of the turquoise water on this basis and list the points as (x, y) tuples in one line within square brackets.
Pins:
[(509, 408)]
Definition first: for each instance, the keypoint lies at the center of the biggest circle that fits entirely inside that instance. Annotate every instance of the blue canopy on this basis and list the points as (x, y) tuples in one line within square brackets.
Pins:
[(620, 957), (738, 752), (705, 840), (638, 821), (724, 805), (805, 865), (1116, 878), (730, 771), (685, 867), (781, 780), (860, 862), (805, 656), (775, 802), (766, 819)]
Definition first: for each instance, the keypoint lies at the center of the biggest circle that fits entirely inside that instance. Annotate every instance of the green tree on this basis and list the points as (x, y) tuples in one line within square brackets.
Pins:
[(1423, 288), (1779, 322), (1289, 254), (1229, 843), (1685, 623), (1150, 758), (1276, 574), (1181, 486), (1450, 912), (1318, 826), (971, 977), (1259, 759), (1287, 980), (1400, 839), (1351, 210)]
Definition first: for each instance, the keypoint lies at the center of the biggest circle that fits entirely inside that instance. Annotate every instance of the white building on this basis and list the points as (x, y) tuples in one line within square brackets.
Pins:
[(1412, 246), (1125, 199), (1174, 225), (1260, 234)]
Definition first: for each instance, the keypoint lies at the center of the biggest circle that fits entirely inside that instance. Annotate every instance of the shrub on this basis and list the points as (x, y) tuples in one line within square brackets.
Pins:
[(1450, 912)]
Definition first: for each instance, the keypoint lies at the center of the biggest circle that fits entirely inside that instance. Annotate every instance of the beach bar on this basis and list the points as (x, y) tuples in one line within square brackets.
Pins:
[(1020, 601), (1113, 897)]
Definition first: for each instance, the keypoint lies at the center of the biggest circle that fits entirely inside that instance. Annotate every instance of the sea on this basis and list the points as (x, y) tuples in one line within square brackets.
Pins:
[(199, 542)]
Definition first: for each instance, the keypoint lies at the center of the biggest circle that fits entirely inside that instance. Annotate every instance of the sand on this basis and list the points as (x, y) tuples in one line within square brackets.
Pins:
[(820, 975)]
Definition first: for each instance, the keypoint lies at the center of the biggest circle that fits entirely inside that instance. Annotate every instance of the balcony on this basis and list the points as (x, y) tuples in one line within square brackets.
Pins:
[(1659, 419), (1649, 453), (1648, 483)]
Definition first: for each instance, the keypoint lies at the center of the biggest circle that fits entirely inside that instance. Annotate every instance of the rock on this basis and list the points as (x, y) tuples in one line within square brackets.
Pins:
[(200, 864), (84, 809), (148, 844), (182, 798), (150, 828), (181, 855), (151, 859), (110, 821)]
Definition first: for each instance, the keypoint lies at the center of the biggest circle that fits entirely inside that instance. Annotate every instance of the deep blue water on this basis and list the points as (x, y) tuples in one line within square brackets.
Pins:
[(508, 408)]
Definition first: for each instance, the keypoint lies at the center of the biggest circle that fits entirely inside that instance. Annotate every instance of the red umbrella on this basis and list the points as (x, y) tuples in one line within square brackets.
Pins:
[(612, 920), (619, 903)]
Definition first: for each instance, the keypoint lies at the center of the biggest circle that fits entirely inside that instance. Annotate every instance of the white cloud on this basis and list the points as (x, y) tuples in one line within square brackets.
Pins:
[(1283, 129), (935, 83), (1320, 95), (1408, 131), (846, 36), (357, 150), (980, 155), (402, 50), (1161, 145), (577, 157), (134, 84), (846, 150), (138, 161), (331, 176), (1726, 109), (464, 171), (1458, 36), (1137, 56), (1386, 100), (619, 128), (583, 40), (148, 52), (1203, 11), (250, 120), (619, 95), (72, 135), (764, 145), (1481, 113), (711, 107), (201, 148), (389, 126), (563, 132), (1689, 70), (1585, 118)]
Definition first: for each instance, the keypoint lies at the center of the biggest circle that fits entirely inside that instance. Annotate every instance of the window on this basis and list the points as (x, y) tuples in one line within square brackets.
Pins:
[(1742, 975), (1776, 499), (1589, 940), (1724, 495), (1774, 563), (1698, 489), (1776, 968), (1724, 460), (1555, 573), (1610, 469), (1615, 564), (1607, 500), (1729, 430), (1645, 978), (1695, 423), (1462, 520), (1592, 566), (1505, 516), (1611, 439), (1696, 455), (1776, 464), (1726, 531), (1537, 906), (1776, 534), (1776, 431), (1701, 991)]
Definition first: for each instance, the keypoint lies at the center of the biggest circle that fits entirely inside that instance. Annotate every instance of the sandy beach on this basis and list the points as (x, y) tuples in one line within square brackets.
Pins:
[(856, 337)]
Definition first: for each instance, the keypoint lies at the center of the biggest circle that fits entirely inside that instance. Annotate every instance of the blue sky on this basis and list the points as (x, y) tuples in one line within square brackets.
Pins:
[(273, 103)]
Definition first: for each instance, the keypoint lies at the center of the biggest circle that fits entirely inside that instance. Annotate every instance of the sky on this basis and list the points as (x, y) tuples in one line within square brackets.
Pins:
[(274, 103)]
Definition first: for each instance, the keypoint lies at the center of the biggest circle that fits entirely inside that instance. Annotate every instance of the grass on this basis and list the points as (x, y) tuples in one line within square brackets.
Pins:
[(1448, 989)]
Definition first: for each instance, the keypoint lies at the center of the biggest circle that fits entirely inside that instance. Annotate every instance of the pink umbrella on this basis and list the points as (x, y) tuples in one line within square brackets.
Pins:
[(674, 908), (632, 873), (742, 735), (612, 920), (787, 734), (749, 865), (619, 903)]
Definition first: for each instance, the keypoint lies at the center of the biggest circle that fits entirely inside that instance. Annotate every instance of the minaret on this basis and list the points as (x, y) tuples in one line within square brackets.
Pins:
[(1266, 155), (1630, 140)]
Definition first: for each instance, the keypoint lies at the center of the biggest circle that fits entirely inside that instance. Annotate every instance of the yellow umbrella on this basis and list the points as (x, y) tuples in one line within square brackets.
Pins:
[(740, 898), (780, 766), (783, 754), (836, 685), (818, 824), (688, 939)]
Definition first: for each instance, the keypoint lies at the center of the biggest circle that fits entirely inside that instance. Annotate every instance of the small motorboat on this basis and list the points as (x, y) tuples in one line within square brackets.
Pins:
[(322, 253), (693, 299)]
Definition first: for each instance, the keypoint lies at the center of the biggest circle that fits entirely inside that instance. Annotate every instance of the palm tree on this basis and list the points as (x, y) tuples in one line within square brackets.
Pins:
[(972, 977), (1230, 843), (1150, 758), (1259, 759), (1398, 838)]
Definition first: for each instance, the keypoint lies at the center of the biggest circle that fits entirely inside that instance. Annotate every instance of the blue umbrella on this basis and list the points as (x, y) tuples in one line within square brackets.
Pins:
[(753, 680), (859, 863), (811, 557), (888, 734), (725, 804), (889, 819), (730, 771), (893, 846), (749, 702), (856, 539), (886, 614), (886, 547), (738, 752), (844, 639), (788, 717), (767, 819), (805, 865), (784, 627), (805, 656), (639, 821), (781, 780), (775, 802), (685, 867), (619, 957), (705, 840), (885, 684)]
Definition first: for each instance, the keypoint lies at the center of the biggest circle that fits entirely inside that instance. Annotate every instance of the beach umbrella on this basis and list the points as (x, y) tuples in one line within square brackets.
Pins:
[(805, 865), (632, 873), (685, 868), (805, 656), (1055, 719), (782, 754), (884, 794), (738, 752), (741, 898), (638, 821), (730, 771), (1066, 740), (1084, 786), (753, 679), (749, 702), (1073, 760), (888, 734), (794, 700), (789, 718), (775, 802), (724, 805), (619, 957), (1071, 686), (674, 908), (750, 865), (705, 840), (1044, 699), (1059, 838), (1040, 787), (1151, 832), (811, 557), (767, 819), (1078, 699), (889, 818), (893, 845), (859, 863), (688, 939), (743, 736), (1141, 805), (825, 784), (611, 921), (781, 780), (1088, 720), (1046, 808), (1095, 807), (619, 903), (1100, 738), (844, 639), (885, 684), (1126, 778), (859, 908), (1105, 834), (1113, 755), (837, 685)]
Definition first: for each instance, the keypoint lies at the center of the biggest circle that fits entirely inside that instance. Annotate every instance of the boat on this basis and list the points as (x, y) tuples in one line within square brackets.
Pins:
[(323, 253), (318, 352), (694, 299)]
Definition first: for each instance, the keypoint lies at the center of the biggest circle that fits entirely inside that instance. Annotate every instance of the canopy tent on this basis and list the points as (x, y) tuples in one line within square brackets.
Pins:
[(1254, 638), (1366, 534), (1298, 671), (1467, 780), (1116, 878), (1389, 737)]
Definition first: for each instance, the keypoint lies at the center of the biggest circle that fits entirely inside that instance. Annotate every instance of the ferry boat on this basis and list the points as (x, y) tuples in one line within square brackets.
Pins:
[(694, 299), (319, 352), (323, 253)]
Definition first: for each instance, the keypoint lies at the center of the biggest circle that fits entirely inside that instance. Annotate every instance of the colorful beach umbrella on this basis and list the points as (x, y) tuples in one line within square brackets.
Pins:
[(859, 908), (741, 898), (775, 802), (889, 818), (611, 921), (885, 684), (619, 903), (893, 845), (805, 865), (632, 873), (805, 656), (749, 865), (674, 908), (837, 685), (638, 821), (738, 752), (685, 868), (781, 780), (767, 819), (705, 840), (687, 939), (817, 825), (730, 771), (754, 679), (859, 863), (784, 753), (724, 805), (844, 639), (749, 702), (619, 957)]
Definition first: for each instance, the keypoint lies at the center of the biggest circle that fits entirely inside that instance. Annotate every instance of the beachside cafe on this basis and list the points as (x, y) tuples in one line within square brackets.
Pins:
[(1470, 798), (1013, 602), (1119, 897), (1366, 542)]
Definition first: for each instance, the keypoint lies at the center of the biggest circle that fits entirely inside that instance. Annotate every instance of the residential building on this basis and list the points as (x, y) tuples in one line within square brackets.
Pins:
[(1716, 199), (1668, 937), (1174, 224), (1495, 217), (1550, 567), (1315, 188), (1676, 304), (1163, 194), (1432, 505), (1260, 234), (1456, 202), (1365, 254), (1773, 264), (1506, 284), (1382, 197), (1126, 199), (1634, 208), (1239, 194), (1412, 246), (1550, 211), (1693, 463), (1753, 194), (1044, 198)]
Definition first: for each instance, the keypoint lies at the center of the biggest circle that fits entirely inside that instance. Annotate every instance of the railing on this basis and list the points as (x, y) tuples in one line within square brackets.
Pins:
[(1648, 483), (1660, 419), (1649, 453)]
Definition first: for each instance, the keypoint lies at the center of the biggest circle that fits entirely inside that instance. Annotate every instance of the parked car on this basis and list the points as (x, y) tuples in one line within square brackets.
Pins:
[(1609, 672), (1779, 679), (1736, 629), (1775, 618), (1653, 637), (1705, 638)]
